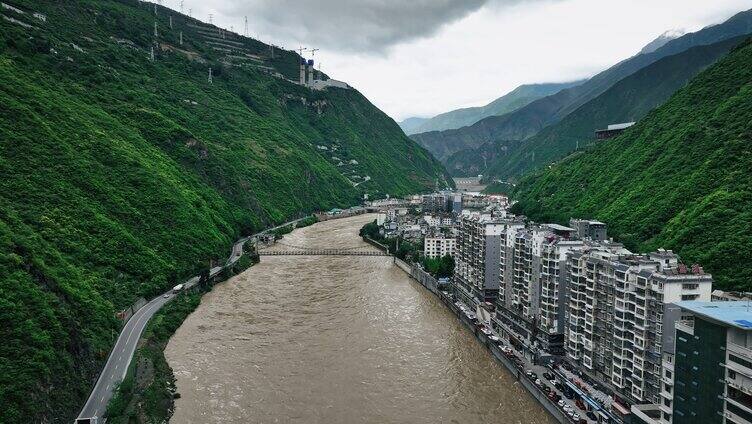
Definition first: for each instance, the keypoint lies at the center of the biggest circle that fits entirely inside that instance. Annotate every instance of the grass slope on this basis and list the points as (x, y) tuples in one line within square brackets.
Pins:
[(680, 179), (120, 176)]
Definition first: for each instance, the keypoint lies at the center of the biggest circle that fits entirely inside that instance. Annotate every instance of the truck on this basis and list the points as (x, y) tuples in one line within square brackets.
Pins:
[(177, 289)]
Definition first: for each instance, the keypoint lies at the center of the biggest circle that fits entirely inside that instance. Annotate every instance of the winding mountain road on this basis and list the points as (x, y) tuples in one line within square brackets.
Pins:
[(120, 357)]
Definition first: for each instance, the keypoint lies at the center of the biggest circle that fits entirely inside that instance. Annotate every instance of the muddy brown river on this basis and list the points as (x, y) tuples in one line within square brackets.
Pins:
[(335, 339)]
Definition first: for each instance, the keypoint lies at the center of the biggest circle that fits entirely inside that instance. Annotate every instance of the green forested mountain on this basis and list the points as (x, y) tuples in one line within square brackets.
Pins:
[(679, 179), (120, 176), (515, 99), (531, 119), (627, 101)]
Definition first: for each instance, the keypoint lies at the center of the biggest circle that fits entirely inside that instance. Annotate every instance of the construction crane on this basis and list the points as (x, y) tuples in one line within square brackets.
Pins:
[(313, 51), (301, 50)]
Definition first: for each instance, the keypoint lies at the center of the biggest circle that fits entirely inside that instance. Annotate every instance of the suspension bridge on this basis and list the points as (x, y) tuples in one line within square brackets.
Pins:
[(292, 250)]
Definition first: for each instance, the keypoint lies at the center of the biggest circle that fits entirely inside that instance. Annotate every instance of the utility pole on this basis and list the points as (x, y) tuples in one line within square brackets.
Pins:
[(245, 31), (151, 55), (211, 19), (210, 76), (170, 21), (181, 38), (155, 29)]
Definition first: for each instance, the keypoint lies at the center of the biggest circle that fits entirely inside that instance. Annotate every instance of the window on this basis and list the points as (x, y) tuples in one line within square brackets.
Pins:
[(740, 361), (689, 296)]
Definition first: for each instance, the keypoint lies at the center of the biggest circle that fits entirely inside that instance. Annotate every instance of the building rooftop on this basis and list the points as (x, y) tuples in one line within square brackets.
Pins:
[(557, 227), (734, 314), (620, 126)]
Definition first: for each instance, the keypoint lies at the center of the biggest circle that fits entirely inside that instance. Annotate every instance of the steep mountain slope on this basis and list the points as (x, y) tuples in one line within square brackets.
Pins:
[(529, 120), (679, 179), (627, 101), (410, 125), (515, 99), (120, 176), (661, 41)]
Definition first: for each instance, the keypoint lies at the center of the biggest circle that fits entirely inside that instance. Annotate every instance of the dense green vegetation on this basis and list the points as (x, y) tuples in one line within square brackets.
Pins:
[(498, 187), (680, 179), (442, 267), (515, 99), (307, 221), (494, 138), (121, 176)]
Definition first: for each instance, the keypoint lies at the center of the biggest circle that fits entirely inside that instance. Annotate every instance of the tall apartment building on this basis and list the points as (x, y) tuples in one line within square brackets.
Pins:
[(530, 308), (476, 270), (618, 305), (707, 377), (439, 246)]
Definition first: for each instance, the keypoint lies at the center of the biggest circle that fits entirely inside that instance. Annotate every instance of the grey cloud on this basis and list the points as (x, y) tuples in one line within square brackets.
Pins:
[(368, 26)]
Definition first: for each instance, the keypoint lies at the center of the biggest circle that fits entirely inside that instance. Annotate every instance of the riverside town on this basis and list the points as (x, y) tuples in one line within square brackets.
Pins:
[(595, 332), (376, 212)]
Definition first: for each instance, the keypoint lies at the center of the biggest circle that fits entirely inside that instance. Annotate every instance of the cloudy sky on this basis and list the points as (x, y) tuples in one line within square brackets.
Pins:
[(424, 57)]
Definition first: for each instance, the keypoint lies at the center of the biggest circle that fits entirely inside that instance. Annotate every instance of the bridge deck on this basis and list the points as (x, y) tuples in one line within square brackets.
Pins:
[(320, 252)]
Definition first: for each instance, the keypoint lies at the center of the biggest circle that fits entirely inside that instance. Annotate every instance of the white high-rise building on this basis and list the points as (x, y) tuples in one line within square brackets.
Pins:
[(617, 314), (439, 246)]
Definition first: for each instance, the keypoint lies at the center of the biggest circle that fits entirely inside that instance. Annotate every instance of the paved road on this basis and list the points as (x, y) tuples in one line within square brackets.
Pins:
[(121, 355)]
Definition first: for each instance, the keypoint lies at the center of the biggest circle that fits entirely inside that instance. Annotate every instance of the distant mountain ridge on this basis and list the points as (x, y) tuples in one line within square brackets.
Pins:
[(627, 101), (515, 99), (662, 40), (532, 118), (409, 125)]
